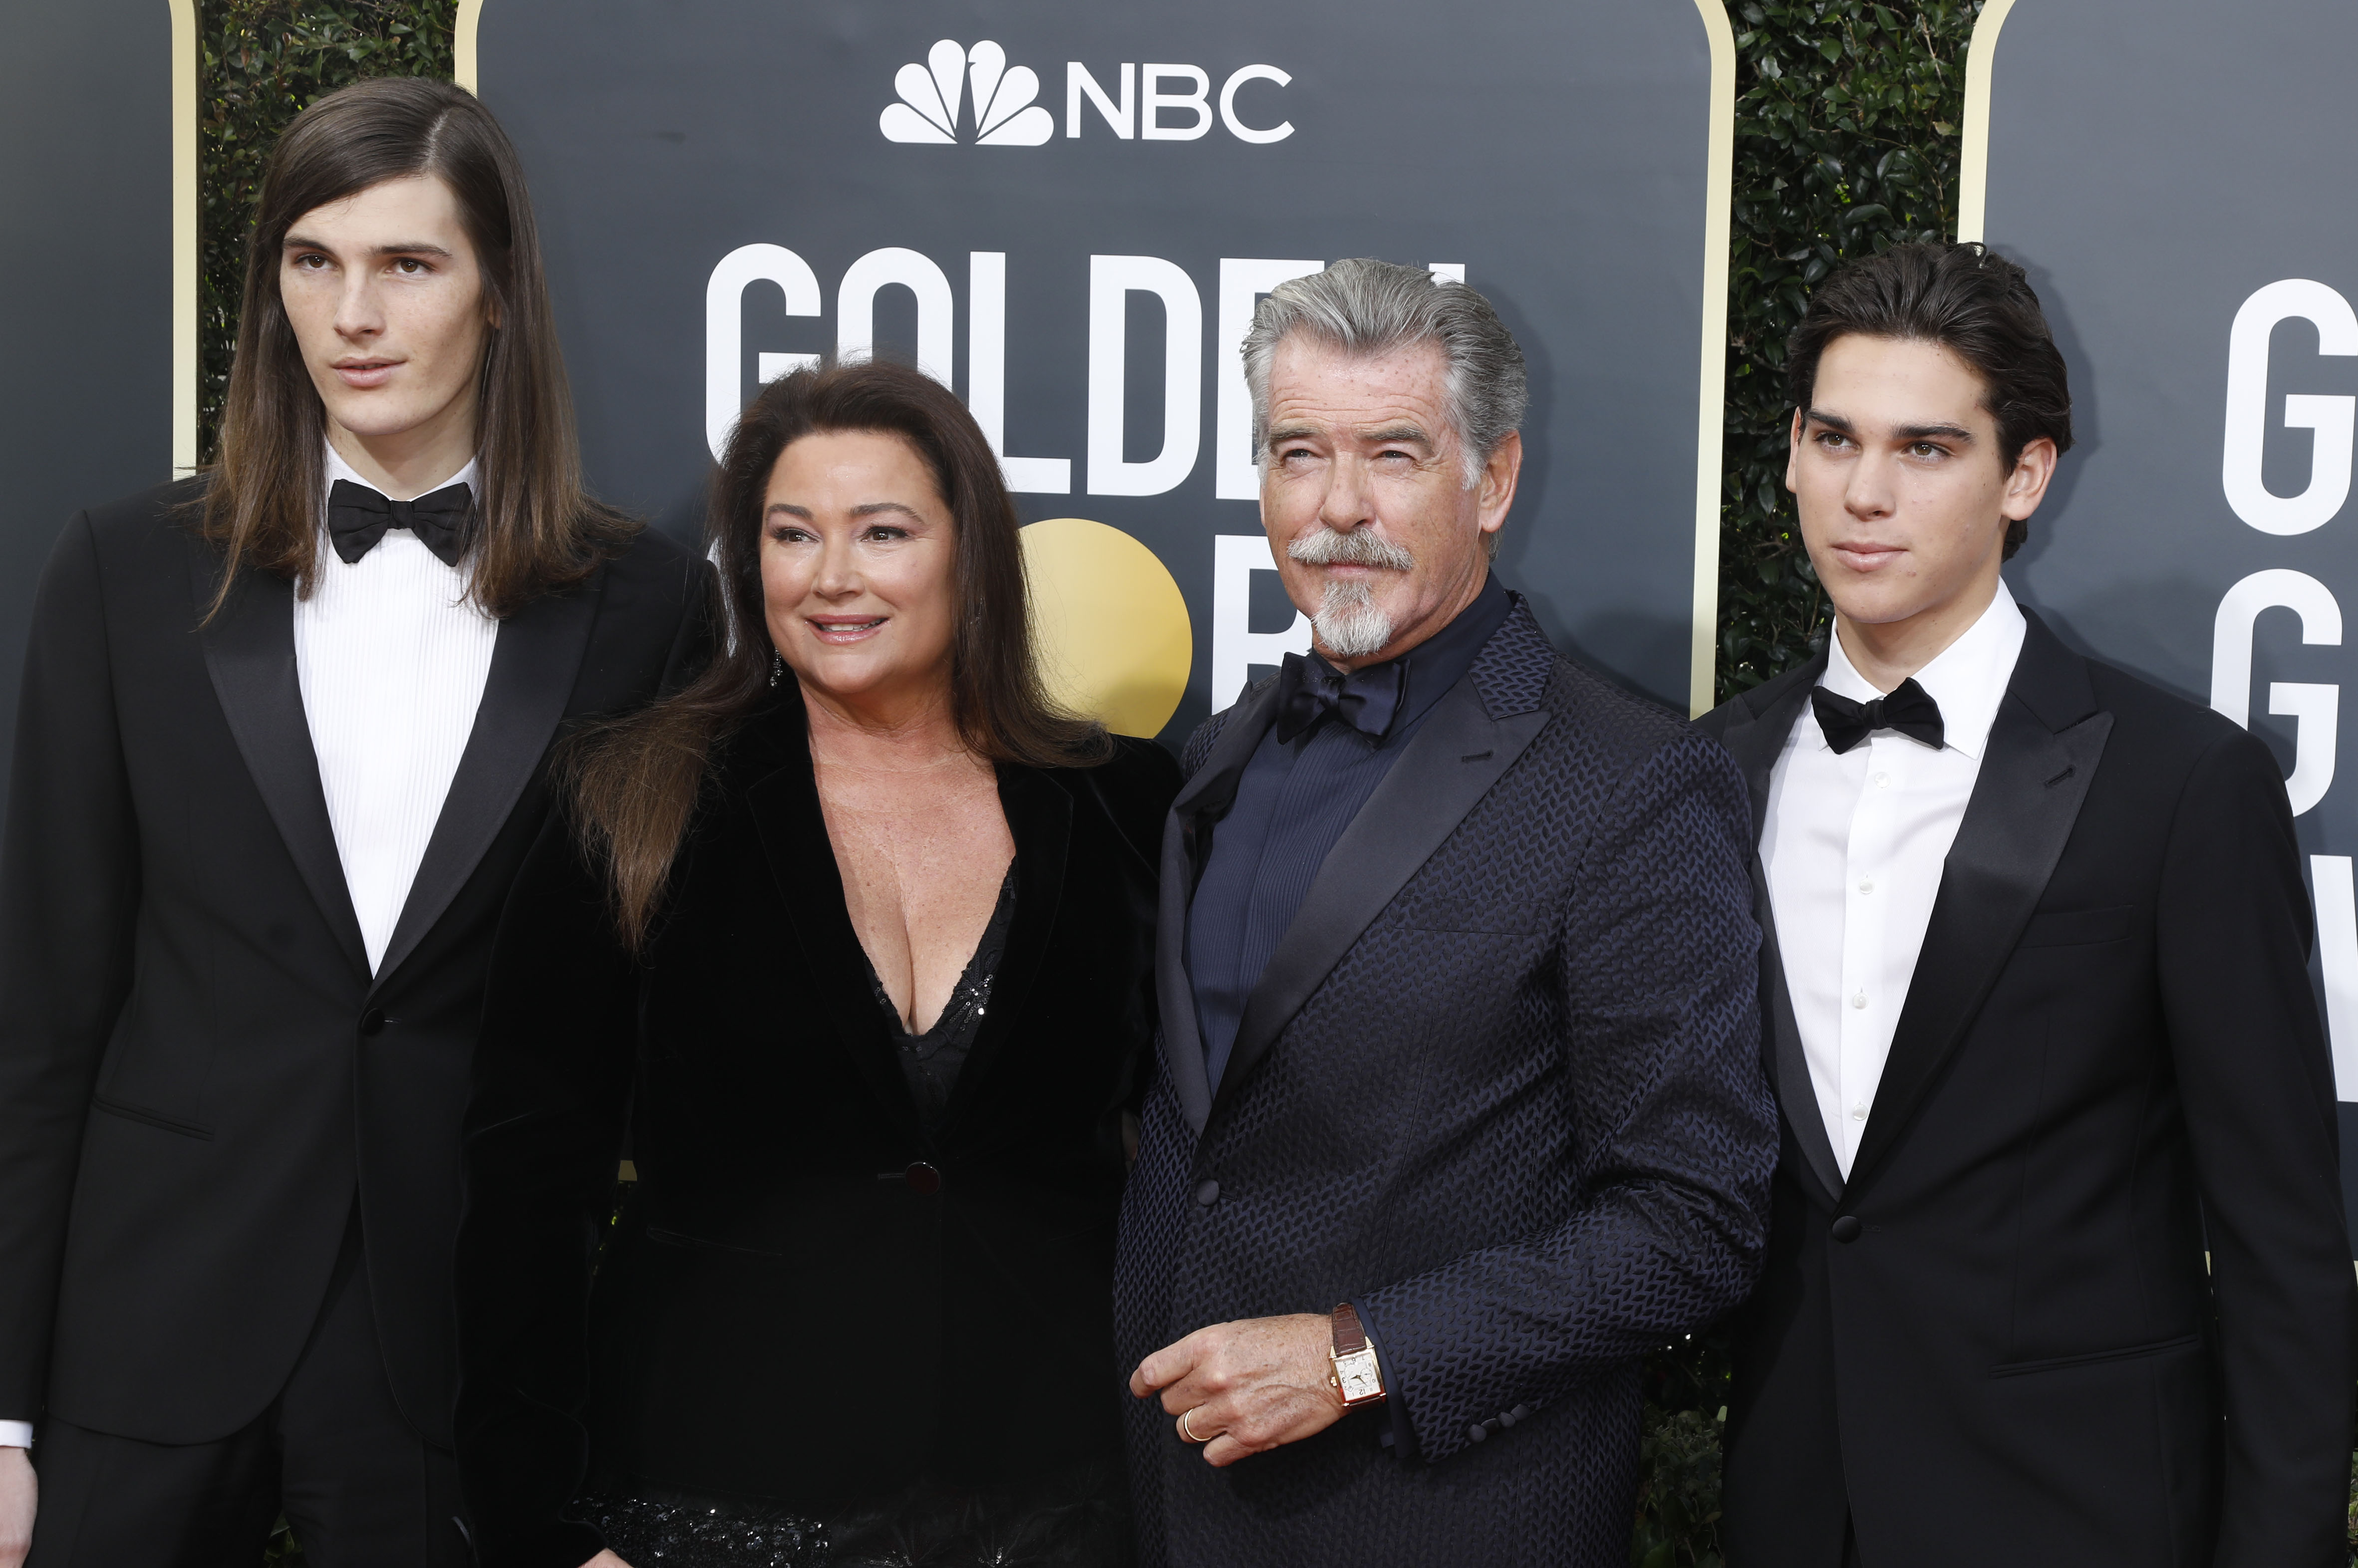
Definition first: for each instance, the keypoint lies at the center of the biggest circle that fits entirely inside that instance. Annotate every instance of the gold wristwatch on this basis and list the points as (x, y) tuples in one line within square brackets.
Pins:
[(1357, 1376)]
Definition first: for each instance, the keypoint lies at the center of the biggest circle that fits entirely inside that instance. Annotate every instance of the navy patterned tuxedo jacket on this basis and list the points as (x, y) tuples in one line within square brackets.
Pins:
[(1500, 1087)]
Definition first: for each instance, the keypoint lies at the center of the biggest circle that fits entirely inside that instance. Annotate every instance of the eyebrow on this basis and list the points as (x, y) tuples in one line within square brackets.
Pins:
[(1906, 432), (866, 509), (1414, 433), (410, 248)]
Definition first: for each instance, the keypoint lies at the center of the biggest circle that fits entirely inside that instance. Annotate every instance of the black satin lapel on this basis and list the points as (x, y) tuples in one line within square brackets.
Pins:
[(1788, 1063), (2032, 782), (1756, 743), (1207, 795), (1215, 784), (792, 827), (1174, 992), (1450, 765), (1040, 819), (533, 663), (250, 654)]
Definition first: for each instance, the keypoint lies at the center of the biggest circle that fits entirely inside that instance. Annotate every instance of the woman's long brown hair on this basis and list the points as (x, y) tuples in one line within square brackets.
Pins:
[(540, 530), (635, 783)]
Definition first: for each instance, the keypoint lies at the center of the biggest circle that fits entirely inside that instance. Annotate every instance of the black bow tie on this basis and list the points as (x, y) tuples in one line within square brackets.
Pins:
[(1310, 691), (358, 517), (1909, 709)]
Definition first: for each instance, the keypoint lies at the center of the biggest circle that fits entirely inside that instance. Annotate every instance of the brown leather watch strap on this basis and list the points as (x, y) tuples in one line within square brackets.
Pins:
[(1349, 1335)]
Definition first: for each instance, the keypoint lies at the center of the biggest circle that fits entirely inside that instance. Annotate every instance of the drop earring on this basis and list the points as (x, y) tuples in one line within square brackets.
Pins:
[(777, 666)]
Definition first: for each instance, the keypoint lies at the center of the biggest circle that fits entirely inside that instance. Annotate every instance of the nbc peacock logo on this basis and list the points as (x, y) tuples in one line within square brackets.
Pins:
[(931, 94)]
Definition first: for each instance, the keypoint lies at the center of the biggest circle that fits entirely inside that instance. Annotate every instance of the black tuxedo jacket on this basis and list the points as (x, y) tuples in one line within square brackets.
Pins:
[(1498, 1088), (197, 1070), (1997, 1342)]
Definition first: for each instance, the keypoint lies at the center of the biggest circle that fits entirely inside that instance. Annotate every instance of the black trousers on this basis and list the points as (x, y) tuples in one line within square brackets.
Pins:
[(361, 1488)]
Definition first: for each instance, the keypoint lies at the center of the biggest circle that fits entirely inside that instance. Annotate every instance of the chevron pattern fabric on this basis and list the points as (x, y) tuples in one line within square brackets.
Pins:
[(1522, 1126)]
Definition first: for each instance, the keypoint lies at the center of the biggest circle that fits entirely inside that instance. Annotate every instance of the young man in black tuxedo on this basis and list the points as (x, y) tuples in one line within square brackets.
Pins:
[(283, 745), (2057, 1273)]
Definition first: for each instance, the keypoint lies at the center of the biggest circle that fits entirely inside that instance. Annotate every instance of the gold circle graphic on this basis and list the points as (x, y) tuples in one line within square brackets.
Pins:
[(1109, 626)]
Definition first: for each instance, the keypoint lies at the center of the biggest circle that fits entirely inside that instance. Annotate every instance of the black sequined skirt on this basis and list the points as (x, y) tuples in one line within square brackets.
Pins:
[(1079, 1519), (655, 1528)]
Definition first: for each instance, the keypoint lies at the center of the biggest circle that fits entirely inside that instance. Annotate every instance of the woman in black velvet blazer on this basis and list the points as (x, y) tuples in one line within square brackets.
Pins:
[(833, 1302)]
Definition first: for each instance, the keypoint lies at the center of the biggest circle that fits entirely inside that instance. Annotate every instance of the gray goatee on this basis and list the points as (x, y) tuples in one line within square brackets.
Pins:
[(1348, 621)]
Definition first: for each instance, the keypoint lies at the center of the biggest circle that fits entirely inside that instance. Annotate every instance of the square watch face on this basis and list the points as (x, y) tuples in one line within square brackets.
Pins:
[(1359, 1377)]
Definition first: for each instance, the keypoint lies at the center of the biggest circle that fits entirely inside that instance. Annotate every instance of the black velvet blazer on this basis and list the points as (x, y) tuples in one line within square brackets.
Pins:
[(809, 1298)]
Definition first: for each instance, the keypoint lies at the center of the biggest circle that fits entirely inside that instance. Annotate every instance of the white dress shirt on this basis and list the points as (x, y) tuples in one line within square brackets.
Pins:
[(392, 655), (1853, 846)]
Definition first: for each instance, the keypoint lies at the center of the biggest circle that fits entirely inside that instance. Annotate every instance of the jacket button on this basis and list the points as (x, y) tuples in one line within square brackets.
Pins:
[(1209, 1193), (373, 1022), (1847, 1228), (922, 1178)]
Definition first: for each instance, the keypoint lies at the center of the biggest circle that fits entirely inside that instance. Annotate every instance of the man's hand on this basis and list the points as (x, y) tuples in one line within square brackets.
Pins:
[(603, 1559), (1246, 1387), (17, 1491)]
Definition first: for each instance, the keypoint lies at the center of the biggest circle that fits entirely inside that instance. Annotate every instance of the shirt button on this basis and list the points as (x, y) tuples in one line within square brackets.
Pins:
[(1883, 781), (1860, 999), (1866, 884), (1858, 1113)]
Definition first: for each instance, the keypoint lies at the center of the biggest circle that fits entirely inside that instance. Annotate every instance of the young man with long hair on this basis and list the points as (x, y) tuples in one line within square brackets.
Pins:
[(282, 746)]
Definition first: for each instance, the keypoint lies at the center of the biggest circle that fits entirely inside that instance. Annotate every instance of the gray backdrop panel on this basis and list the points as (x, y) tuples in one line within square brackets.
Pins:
[(1557, 150), (2155, 164), (85, 281)]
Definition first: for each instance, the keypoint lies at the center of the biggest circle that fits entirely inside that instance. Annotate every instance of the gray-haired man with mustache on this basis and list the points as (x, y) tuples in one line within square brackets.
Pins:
[(1459, 1107)]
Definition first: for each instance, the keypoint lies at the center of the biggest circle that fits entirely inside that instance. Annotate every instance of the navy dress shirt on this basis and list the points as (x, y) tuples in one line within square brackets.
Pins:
[(1294, 801)]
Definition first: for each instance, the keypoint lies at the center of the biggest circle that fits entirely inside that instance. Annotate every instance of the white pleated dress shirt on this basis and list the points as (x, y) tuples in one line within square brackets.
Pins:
[(1853, 846), (392, 655)]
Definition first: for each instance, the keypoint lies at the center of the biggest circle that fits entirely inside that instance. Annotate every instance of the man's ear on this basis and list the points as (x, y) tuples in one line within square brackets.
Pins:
[(2026, 487), (1496, 491), (1793, 451)]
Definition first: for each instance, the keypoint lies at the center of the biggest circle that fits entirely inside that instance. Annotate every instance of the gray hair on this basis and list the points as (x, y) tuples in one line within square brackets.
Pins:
[(1370, 308)]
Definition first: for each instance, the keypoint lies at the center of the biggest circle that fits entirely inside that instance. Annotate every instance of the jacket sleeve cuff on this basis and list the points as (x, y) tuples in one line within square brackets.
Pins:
[(15, 1434), (1400, 1434)]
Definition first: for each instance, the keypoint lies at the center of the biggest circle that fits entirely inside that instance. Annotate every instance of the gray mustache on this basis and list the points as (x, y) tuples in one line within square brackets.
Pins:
[(1324, 547)]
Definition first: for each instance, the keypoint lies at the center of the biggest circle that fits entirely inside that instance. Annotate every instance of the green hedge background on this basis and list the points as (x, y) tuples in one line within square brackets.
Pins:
[(1846, 142)]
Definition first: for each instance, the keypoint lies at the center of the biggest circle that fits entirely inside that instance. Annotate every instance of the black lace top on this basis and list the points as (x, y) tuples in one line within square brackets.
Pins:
[(932, 1060)]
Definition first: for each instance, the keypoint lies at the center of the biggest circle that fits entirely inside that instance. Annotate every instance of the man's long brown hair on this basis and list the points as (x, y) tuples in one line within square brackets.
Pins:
[(635, 783), (540, 529)]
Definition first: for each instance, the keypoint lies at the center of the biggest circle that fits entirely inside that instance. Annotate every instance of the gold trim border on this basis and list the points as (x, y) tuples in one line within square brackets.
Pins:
[(464, 57), (1712, 417), (184, 237), (1972, 156)]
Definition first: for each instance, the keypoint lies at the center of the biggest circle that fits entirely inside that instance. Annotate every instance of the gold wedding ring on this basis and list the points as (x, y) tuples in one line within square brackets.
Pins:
[(1186, 1431)]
